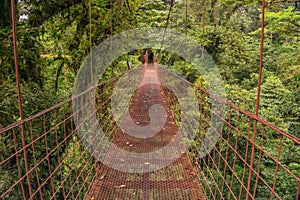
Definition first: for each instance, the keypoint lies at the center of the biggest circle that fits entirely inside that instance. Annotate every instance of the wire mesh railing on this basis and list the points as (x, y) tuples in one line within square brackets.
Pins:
[(248, 158), (42, 156), (251, 160)]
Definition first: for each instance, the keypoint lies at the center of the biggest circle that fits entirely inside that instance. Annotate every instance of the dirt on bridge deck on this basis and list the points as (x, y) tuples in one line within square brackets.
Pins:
[(175, 181)]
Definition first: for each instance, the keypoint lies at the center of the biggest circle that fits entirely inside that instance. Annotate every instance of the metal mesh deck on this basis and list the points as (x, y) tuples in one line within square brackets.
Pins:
[(176, 181)]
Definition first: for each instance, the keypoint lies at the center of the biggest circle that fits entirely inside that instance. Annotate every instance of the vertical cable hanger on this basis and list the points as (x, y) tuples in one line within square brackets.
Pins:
[(185, 40), (202, 42), (110, 52), (260, 57), (14, 34), (91, 40), (167, 23), (111, 32), (258, 94), (127, 28)]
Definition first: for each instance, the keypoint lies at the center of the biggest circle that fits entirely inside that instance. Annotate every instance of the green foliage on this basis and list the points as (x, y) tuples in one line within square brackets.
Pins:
[(55, 39), (282, 25), (273, 101)]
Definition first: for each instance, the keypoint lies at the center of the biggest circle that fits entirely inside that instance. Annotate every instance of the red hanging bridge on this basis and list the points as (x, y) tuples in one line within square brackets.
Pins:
[(232, 170), (43, 157)]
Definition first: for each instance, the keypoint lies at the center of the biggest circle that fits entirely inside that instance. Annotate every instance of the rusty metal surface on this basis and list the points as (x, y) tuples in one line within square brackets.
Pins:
[(176, 181), (50, 136)]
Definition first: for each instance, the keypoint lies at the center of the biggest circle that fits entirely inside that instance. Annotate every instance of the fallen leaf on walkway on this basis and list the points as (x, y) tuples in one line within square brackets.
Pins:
[(120, 186)]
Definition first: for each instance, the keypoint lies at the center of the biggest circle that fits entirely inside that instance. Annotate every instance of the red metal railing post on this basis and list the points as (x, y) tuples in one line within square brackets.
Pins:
[(14, 34), (298, 191), (185, 39), (258, 94)]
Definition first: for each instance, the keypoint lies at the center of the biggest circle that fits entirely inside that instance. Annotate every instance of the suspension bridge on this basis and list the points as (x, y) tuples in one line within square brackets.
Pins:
[(189, 177), (46, 159)]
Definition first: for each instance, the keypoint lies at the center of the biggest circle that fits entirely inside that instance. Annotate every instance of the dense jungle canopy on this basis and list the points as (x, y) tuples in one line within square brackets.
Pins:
[(54, 37)]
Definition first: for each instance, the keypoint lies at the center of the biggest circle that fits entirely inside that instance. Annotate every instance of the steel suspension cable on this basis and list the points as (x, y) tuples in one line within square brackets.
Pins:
[(258, 94), (203, 39), (91, 53), (185, 40), (14, 34), (91, 40), (261, 58), (110, 52), (111, 32), (167, 23)]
